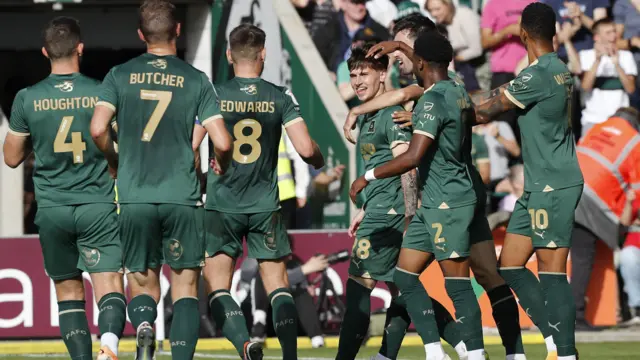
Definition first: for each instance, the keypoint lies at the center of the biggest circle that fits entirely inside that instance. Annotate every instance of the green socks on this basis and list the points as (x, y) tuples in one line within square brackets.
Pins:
[(355, 324), (112, 318), (229, 318), (507, 317), (395, 327), (419, 305), (185, 328), (561, 310), (468, 316), (285, 322), (142, 308), (448, 328), (527, 288), (74, 329)]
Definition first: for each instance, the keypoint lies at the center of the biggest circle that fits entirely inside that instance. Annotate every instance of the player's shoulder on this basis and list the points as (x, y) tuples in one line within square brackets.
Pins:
[(387, 113), (433, 97)]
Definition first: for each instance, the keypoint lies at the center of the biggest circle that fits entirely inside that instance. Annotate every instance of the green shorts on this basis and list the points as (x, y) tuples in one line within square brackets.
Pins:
[(377, 246), (447, 233), (79, 238), (153, 234), (546, 217), (267, 238)]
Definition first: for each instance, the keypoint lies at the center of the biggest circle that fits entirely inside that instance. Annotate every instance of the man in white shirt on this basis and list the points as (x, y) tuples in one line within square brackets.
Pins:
[(608, 75)]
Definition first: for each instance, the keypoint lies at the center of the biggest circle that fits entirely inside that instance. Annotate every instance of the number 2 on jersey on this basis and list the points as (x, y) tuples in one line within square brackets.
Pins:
[(76, 146), (251, 140), (163, 98)]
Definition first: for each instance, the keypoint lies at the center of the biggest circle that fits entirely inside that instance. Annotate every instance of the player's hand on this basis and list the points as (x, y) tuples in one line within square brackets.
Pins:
[(355, 223), (349, 125), (113, 172), (383, 48), (215, 166), (301, 202), (315, 264), (357, 187), (403, 118)]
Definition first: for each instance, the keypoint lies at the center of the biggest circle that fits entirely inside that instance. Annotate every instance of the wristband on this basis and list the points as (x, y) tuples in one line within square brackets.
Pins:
[(369, 175)]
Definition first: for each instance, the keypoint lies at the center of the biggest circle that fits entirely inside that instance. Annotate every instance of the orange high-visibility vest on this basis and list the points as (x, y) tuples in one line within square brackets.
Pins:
[(609, 156)]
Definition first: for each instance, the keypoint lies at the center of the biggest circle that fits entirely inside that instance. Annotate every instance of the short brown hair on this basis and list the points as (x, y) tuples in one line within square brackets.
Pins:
[(61, 37), (158, 21), (359, 59), (246, 41)]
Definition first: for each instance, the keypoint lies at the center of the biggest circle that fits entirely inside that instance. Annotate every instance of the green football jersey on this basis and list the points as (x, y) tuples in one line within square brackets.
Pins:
[(157, 100), (56, 113), (378, 136), (452, 76), (443, 114), (542, 92), (479, 150), (254, 111)]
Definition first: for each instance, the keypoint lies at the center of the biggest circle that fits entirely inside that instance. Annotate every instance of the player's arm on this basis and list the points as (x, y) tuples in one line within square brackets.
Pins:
[(303, 143), (17, 143), (102, 119), (482, 96), (222, 141), (398, 138), (496, 104)]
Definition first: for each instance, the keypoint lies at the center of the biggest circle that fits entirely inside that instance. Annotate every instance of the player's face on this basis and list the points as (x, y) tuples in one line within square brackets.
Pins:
[(418, 67), (406, 65), (366, 82)]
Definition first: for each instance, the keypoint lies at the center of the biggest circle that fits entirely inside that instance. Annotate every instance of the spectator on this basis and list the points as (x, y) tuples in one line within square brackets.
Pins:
[(500, 33), (462, 28), (630, 257), (502, 146), (608, 75), (300, 290), (405, 8), (573, 62), (586, 12), (320, 17), (514, 188), (352, 18), (626, 14), (609, 156), (293, 181)]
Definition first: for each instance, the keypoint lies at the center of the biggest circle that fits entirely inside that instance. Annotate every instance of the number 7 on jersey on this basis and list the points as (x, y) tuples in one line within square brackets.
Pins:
[(163, 98)]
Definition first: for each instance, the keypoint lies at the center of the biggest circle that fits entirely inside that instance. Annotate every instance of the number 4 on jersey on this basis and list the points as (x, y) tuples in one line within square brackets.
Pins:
[(76, 146)]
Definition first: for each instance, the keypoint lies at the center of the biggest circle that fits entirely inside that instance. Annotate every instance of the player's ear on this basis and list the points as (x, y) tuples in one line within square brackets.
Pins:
[(178, 29), (383, 76), (263, 54), (229, 58), (141, 36), (45, 53), (80, 49)]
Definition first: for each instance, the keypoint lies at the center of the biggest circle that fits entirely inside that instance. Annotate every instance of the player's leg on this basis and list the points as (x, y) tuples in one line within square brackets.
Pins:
[(101, 256), (552, 216), (224, 233), (58, 241), (516, 251), (414, 256), (184, 251), (485, 270), (374, 253), (449, 229), (141, 238), (268, 242)]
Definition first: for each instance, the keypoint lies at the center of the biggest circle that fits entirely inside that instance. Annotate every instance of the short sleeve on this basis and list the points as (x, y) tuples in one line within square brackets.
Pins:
[(482, 152), (619, 12), (488, 19), (109, 91), (628, 63), (527, 88), (426, 117), (395, 134), (18, 121), (208, 109), (291, 114)]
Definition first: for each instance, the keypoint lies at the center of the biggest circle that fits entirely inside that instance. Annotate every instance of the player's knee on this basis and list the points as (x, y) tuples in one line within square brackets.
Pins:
[(144, 283), (274, 274), (488, 277), (70, 289), (106, 283)]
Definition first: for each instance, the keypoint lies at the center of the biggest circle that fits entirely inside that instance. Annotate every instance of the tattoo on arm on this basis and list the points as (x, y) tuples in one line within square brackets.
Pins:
[(410, 189), (483, 96), (495, 106)]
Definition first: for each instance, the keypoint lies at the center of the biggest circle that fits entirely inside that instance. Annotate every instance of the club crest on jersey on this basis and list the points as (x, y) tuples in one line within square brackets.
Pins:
[(66, 86), (428, 106), (91, 256), (175, 249), (158, 64), (372, 127), (250, 89)]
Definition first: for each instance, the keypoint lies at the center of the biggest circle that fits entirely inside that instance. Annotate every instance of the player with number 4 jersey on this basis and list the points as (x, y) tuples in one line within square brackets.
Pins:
[(156, 99), (243, 202)]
